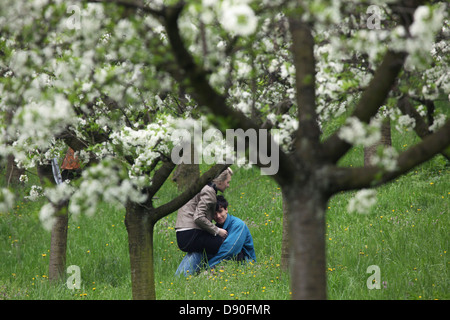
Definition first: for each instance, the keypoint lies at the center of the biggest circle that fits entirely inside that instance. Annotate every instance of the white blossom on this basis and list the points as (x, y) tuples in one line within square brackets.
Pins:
[(362, 201), (238, 19), (47, 216), (438, 122), (405, 122), (385, 158), (6, 200), (358, 133), (35, 193)]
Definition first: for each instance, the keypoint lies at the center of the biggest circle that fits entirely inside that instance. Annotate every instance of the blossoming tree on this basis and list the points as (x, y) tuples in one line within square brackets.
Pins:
[(309, 171), (56, 88), (108, 77)]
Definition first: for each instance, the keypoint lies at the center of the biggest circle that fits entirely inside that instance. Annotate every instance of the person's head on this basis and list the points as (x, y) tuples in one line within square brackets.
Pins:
[(222, 181), (221, 210)]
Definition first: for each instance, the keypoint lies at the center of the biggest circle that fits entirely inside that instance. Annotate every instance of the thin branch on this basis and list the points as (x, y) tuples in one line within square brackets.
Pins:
[(190, 192), (366, 177), (421, 127), (380, 86), (371, 100), (132, 4), (159, 177), (198, 85)]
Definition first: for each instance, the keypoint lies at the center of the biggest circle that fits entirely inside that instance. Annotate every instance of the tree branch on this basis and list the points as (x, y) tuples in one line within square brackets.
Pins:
[(159, 177), (189, 193), (382, 82), (308, 133), (371, 100), (196, 83), (132, 4), (343, 179)]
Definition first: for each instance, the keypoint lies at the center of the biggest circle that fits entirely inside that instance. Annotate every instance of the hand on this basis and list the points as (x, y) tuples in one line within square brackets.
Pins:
[(223, 233)]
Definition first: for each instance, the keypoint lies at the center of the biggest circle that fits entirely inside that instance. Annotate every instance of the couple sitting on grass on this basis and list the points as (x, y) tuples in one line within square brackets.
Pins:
[(207, 244)]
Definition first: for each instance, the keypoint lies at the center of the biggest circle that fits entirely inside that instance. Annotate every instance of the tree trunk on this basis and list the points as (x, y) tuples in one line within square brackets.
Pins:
[(285, 235), (140, 242), (58, 244), (385, 140), (185, 173), (13, 173), (307, 236)]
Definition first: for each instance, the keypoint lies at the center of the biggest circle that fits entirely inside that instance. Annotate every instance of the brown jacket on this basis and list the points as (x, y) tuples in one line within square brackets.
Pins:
[(199, 211)]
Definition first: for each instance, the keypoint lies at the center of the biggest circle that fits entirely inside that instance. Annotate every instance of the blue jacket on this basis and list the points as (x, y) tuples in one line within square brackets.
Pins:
[(239, 239)]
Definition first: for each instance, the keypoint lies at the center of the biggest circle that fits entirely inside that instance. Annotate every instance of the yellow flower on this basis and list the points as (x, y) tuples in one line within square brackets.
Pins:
[(44, 255)]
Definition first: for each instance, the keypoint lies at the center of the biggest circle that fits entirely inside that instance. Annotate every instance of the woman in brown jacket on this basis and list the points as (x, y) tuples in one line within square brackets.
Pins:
[(195, 231)]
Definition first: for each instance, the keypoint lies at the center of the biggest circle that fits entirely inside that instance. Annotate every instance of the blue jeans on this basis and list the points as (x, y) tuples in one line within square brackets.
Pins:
[(191, 264)]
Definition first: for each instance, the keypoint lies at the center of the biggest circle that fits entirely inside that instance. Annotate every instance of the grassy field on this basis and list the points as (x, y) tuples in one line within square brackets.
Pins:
[(406, 235)]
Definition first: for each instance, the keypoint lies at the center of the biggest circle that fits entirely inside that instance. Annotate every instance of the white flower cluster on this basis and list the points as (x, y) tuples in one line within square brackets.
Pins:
[(36, 123), (236, 16), (104, 182), (362, 201), (385, 158), (427, 22), (358, 133), (47, 216), (61, 192), (6, 200), (439, 121), (35, 193), (145, 144), (405, 122)]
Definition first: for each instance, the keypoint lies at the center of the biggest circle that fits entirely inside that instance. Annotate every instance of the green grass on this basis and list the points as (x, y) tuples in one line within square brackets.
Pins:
[(406, 235)]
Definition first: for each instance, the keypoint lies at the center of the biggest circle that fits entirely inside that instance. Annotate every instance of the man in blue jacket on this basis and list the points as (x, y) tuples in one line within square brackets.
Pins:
[(238, 245)]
